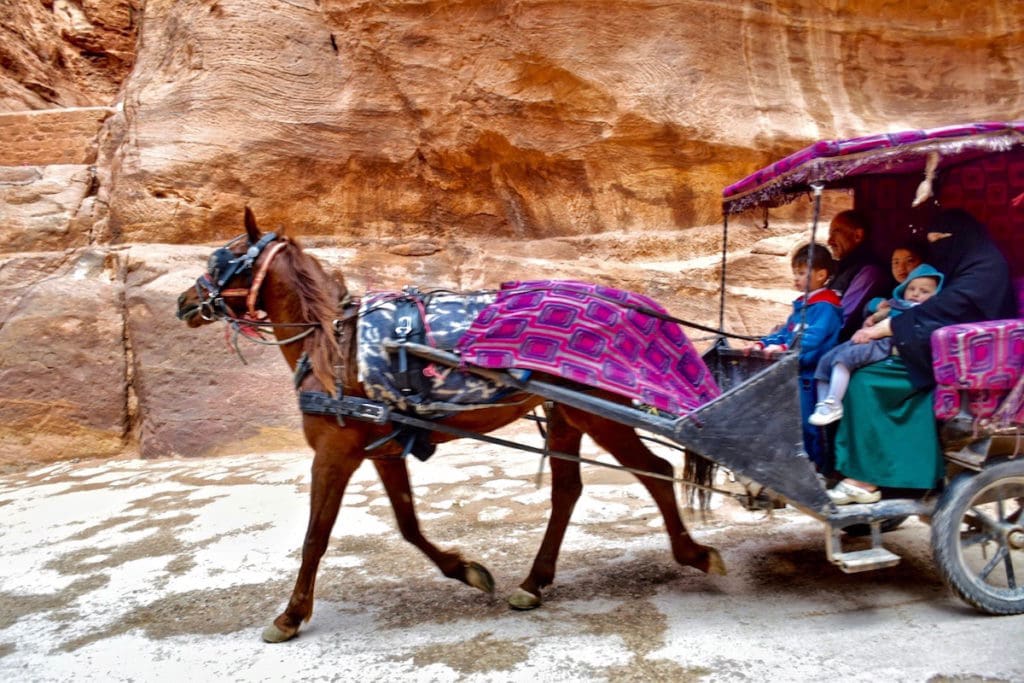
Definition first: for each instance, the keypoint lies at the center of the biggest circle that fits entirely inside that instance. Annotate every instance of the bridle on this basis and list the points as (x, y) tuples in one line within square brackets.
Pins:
[(212, 291)]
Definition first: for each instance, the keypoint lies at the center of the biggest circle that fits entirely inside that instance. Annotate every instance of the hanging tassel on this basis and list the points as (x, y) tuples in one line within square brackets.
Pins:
[(924, 190)]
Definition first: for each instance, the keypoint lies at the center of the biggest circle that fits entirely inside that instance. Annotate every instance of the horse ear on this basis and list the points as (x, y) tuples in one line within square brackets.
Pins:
[(251, 229)]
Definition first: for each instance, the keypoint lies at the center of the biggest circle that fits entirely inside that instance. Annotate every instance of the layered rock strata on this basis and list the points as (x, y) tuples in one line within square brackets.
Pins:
[(439, 144)]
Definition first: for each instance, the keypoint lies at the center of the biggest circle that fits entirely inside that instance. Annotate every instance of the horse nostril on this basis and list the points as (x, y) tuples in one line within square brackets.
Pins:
[(181, 300)]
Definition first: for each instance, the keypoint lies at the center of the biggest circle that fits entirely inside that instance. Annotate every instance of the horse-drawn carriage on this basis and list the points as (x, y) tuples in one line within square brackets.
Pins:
[(609, 363), (900, 181)]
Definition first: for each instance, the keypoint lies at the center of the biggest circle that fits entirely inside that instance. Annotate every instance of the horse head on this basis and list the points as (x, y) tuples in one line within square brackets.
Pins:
[(266, 282), (228, 278)]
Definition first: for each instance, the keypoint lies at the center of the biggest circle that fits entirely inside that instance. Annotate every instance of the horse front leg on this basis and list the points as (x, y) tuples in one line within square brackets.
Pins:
[(331, 473), (566, 487), (395, 476), (626, 446)]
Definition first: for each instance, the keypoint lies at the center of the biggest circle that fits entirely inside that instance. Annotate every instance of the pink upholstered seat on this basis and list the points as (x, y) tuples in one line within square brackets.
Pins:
[(979, 368)]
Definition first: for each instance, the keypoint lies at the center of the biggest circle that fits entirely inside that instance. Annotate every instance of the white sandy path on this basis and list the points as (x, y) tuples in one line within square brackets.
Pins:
[(779, 615)]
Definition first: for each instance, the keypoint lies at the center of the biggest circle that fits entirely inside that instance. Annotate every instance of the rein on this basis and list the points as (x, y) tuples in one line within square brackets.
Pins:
[(340, 406), (226, 265), (644, 310)]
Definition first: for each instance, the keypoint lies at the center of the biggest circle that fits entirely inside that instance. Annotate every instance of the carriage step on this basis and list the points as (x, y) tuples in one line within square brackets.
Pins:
[(875, 557), (865, 560)]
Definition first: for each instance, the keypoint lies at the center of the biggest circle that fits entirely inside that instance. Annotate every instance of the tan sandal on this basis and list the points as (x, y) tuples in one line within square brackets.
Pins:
[(845, 493)]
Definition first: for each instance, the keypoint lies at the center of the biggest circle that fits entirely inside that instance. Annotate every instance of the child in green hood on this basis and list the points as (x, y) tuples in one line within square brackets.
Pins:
[(834, 368)]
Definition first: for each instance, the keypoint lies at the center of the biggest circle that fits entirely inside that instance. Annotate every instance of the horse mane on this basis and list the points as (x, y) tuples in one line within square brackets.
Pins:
[(319, 298)]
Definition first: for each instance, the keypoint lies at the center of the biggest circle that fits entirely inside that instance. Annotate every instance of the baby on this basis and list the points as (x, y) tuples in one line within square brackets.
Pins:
[(834, 368)]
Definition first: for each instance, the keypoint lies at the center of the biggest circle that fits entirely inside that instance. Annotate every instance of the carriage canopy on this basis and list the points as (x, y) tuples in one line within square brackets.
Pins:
[(975, 166)]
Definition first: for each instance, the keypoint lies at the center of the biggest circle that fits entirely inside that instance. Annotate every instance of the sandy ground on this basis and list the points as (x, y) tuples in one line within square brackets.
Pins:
[(131, 570)]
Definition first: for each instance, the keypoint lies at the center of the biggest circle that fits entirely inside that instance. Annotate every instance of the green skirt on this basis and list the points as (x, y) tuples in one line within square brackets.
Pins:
[(888, 435)]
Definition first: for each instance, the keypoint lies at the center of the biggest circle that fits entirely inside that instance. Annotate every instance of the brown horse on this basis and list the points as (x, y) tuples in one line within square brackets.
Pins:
[(274, 275)]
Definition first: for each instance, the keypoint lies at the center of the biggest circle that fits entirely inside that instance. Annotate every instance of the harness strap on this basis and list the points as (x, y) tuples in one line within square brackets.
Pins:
[(302, 368), (257, 280), (411, 326), (346, 374), (344, 371), (322, 403)]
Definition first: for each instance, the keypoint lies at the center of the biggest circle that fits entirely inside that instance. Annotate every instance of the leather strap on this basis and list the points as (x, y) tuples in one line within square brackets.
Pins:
[(345, 329)]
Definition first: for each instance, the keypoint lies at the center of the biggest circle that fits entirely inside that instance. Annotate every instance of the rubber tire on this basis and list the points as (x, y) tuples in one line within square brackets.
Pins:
[(858, 530), (946, 541)]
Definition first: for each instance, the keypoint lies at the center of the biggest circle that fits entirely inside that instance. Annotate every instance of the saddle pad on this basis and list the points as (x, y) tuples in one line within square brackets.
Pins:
[(593, 335), (446, 317)]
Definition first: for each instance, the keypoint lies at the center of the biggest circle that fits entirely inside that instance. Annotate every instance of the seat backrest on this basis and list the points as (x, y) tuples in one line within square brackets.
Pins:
[(980, 361)]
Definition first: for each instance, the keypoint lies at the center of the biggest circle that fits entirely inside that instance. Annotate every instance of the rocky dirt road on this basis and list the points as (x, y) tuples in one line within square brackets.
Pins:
[(133, 570)]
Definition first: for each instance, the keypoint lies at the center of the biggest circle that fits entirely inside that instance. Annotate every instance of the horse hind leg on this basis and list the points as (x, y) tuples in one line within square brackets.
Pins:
[(627, 447), (566, 486), (395, 477)]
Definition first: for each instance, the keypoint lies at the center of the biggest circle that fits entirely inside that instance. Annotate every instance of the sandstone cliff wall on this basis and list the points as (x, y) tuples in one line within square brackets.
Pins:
[(523, 119), (451, 144)]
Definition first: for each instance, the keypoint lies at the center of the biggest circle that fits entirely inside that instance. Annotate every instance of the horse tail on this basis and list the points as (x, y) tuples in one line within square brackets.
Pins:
[(698, 478)]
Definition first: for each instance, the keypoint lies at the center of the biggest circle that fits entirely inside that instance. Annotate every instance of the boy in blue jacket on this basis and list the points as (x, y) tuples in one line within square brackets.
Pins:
[(817, 319)]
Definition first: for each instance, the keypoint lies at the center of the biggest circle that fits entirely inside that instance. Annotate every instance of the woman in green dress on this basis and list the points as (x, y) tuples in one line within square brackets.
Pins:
[(888, 437)]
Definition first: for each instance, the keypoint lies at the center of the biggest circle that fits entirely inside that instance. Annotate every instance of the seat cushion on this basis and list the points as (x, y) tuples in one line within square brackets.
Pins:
[(984, 359)]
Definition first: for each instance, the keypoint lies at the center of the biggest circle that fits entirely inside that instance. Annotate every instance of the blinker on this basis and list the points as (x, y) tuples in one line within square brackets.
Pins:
[(220, 265), (224, 264)]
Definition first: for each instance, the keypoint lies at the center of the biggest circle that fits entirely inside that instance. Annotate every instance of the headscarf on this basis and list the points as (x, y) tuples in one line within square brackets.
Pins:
[(977, 287)]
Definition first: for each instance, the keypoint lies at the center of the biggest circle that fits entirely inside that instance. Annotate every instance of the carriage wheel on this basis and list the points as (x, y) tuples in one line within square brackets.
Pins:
[(978, 538)]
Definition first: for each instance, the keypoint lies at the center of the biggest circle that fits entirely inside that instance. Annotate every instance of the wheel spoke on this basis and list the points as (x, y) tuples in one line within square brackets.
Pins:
[(981, 520), (1015, 517), (1011, 580), (973, 537), (987, 569)]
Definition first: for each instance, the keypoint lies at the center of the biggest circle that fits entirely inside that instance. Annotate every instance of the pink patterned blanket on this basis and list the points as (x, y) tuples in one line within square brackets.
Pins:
[(593, 335)]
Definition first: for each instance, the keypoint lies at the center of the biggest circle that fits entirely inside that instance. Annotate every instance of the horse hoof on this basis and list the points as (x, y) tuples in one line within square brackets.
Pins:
[(272, 634), (477, 576), (523, 600), (716, 565)]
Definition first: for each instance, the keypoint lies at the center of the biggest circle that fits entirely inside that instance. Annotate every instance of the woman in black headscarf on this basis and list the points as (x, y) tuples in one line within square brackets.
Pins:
[(977, 287), (888, 435)]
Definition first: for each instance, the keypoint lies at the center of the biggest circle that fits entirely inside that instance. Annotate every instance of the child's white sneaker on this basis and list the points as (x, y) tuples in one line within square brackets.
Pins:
[(826, 412)]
